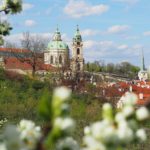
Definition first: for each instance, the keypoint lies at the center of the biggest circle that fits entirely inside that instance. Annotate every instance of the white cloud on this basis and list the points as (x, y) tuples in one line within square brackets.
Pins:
[(147, 33), (123, 47), (79, 8), (27, 6), (30, 23), (111, 51), (132, 37), (89, 32), (89, 44), (130, 2), (118, 29), (102, 45), (16, 38)]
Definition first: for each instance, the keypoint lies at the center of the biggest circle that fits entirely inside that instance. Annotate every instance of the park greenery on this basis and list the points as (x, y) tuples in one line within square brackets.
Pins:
[(54, 113), (123, 68)]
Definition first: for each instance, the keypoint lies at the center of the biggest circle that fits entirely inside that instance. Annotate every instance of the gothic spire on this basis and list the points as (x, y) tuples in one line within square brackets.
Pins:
[(142, 61)]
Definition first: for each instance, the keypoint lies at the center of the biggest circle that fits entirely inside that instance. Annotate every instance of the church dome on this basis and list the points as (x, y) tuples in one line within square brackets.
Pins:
[(57, 43)]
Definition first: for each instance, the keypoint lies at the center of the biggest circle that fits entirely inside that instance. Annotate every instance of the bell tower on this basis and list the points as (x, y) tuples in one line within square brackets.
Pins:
[(77, 63)]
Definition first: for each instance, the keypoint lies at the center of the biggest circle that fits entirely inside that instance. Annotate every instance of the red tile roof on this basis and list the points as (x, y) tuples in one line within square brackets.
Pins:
[(14, 63), (137, 88), (17, 50)]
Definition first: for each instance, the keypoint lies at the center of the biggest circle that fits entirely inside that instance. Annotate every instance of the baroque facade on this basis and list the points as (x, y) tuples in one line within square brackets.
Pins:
[(57, 53)]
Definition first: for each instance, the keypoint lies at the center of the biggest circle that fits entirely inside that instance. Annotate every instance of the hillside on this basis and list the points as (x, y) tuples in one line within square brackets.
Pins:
[(20, 96)]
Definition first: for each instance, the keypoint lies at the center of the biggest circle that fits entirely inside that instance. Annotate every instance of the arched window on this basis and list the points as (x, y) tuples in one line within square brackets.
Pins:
[(51, 60), (78, 51), (60, 59)]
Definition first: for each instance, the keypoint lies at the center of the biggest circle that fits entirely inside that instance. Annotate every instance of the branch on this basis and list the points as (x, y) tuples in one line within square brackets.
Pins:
[(12, 7)]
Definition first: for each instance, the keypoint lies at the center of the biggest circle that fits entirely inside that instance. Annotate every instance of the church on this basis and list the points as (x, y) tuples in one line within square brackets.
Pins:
[(57, 53)]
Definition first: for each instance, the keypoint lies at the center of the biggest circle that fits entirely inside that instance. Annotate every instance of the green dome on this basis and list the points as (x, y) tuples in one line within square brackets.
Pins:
[(57, 43)]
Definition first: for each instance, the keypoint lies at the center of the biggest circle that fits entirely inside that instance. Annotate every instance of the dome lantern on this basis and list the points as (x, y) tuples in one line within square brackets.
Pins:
[(57, 35), (77, 36)]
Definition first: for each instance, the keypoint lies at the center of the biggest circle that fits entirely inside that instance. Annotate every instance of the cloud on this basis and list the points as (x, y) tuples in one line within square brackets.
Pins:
[(147, 33), (111, 51), (16, 38), (101, 45), (118, 29), (130, 2), (132, 37), (123, 47), (89, 44), (79, 8), (27, 6), (89, 32), (30, 23)]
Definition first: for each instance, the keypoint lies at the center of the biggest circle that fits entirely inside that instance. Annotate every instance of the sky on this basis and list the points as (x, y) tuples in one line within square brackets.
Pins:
[(112, 30)]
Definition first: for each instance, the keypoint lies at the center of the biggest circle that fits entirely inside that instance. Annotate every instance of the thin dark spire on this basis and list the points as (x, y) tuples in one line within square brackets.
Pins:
[(142, 61)]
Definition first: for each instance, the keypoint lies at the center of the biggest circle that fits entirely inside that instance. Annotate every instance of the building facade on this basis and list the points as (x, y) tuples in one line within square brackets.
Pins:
[(57, 53), (77, 60)]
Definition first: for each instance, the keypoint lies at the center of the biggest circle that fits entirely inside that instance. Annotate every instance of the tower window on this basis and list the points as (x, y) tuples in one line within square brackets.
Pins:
[(78, 51), (51, 60), (60, 59)]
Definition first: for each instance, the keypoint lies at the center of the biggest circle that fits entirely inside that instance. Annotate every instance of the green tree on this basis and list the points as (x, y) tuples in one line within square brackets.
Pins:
[(8, 7)]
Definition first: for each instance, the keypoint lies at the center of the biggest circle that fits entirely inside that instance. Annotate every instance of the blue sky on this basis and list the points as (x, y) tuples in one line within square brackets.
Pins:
[(112, 30)]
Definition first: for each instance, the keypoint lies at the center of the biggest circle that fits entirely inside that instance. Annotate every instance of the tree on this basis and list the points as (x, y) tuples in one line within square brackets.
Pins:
[(36, 45), (8, 7), (9, 44), (110, 67), (33, 42)]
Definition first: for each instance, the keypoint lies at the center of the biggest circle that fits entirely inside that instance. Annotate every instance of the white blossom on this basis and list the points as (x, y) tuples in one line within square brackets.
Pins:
[(129, 98), (96, 130), (142, 113), (26, 124), (87, 130), (107, 107), (93, 144), (29, 133), (3, 146), (65, 124), (119, 117), (67, 143), (62, 93), (125, 133), (141, 134), (128, 111)]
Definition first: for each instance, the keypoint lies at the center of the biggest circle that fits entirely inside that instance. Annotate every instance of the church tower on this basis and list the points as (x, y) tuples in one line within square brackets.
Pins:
[(77, 63), (143, 74)]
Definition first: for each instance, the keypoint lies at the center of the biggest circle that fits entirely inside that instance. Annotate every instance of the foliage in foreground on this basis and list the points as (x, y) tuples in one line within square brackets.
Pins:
[(8, 7), (114, 132)]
